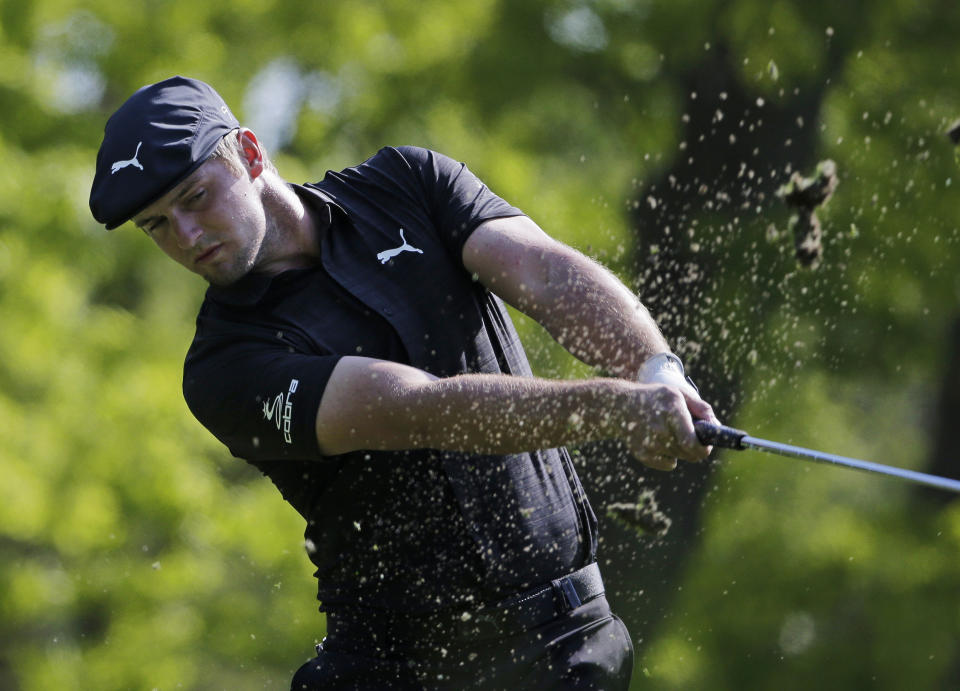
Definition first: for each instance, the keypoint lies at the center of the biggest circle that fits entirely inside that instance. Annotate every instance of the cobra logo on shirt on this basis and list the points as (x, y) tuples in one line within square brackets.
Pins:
[(280, 410)]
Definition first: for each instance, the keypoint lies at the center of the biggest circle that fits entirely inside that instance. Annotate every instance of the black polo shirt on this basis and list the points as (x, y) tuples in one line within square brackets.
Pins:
[(414, 530)]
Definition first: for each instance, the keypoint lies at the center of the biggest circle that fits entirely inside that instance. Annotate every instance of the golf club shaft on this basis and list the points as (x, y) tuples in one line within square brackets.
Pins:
[(730, 438)]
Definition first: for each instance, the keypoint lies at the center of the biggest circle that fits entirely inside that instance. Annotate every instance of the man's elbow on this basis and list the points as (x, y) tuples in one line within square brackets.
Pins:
[(383, 410)]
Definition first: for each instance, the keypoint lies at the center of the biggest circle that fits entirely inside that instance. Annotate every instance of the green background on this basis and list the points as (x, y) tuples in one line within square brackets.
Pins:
[(135, 553)]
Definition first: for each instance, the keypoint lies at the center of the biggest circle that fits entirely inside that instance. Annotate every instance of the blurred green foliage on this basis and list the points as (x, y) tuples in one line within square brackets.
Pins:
[(136, 554)]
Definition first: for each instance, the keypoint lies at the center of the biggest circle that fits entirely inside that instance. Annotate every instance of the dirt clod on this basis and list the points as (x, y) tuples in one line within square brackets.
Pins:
[(805, 196), (644, 516)]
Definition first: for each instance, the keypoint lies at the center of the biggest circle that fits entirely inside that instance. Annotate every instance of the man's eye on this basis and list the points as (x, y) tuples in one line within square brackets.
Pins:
[(198, 195)]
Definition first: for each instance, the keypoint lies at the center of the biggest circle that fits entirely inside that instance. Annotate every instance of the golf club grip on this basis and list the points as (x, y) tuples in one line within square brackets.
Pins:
[(725, 437)]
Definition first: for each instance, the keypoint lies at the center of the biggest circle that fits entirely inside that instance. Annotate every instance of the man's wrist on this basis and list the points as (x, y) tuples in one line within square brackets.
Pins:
[(665, 368)]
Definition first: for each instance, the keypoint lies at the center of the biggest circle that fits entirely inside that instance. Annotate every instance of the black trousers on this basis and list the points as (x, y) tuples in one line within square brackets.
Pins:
[(586, 648)]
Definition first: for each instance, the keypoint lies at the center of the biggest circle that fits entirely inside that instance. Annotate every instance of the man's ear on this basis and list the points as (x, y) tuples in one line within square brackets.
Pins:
[(252, 153)]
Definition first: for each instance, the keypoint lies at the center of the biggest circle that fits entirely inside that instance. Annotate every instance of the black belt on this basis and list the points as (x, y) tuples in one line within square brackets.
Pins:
[(516, 614), (535, 607)]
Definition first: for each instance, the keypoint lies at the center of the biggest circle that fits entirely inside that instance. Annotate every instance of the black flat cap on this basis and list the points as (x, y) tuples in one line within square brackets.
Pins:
[(154, 141)]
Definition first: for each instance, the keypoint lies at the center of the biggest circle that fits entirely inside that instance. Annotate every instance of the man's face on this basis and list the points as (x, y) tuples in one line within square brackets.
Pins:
[(213, 223)]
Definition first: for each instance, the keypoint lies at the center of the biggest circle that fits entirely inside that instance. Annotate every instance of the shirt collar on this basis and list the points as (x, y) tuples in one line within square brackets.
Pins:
[(250, 289)]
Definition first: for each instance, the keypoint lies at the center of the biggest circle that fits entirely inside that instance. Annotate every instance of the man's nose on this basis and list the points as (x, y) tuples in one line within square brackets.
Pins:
[(186, 229)]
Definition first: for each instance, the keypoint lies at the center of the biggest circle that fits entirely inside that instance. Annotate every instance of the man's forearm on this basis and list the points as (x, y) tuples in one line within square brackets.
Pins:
[(582, 305), (503, 414), (595, 317), (376, 404)]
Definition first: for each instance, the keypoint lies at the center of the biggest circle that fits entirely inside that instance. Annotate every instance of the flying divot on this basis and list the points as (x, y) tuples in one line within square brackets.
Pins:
[(804, 196)]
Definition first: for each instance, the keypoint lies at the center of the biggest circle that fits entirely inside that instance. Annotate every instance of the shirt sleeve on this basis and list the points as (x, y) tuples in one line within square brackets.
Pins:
[(458, 200), (258, 399)]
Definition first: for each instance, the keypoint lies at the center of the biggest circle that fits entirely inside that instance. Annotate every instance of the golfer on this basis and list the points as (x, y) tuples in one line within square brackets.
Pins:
[(354, 346)]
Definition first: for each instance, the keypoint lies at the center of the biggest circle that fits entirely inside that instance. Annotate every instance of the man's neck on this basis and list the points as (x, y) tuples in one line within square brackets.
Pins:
[(292, 239)]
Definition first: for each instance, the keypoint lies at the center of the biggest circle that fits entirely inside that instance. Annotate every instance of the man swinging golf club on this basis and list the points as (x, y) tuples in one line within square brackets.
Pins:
[(354, 347)]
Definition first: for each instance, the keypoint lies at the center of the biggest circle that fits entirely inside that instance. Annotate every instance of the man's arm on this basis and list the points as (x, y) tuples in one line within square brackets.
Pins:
[(376, 404), (580, 303)]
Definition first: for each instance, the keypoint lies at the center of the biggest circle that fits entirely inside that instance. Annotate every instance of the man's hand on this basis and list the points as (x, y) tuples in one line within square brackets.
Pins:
[(666, 369), (661, 429)]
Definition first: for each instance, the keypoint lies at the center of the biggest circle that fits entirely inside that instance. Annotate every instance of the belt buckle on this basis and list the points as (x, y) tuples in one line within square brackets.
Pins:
[(569, 599)]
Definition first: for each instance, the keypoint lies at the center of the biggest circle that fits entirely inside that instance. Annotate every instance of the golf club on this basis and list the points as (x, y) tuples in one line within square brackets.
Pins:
[(730, 438)]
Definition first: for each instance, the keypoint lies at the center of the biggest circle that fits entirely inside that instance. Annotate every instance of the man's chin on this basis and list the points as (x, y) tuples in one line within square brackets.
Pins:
[(222, 281), (227, 277)]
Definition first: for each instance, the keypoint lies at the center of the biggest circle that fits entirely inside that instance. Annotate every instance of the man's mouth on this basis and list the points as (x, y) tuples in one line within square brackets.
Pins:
[(208, 254)]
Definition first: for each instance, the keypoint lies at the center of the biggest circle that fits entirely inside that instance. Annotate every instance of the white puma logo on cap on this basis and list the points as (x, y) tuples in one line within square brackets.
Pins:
[(387, 255), (129, 162)]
